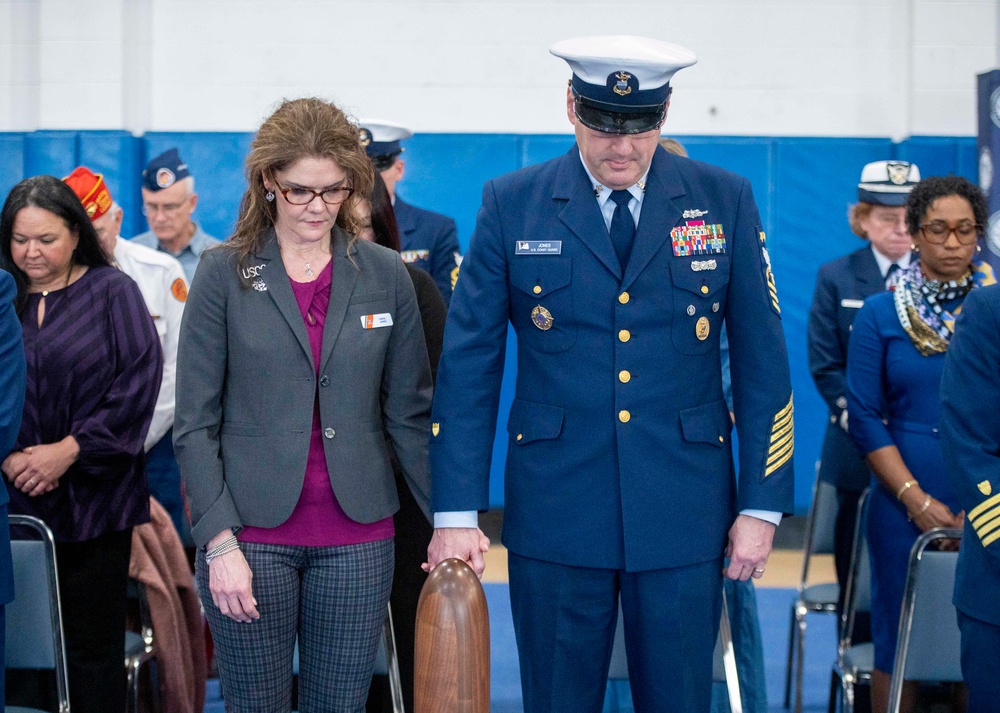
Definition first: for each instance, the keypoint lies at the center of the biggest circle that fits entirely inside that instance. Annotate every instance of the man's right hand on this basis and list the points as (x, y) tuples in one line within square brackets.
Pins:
[(465, 543)]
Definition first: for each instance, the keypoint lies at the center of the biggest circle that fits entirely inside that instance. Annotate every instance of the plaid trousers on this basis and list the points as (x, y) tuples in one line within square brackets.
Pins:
[(333, 599)]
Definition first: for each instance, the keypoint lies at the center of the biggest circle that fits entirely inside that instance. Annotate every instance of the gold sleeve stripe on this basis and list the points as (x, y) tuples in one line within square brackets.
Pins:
[(987, 541), (985, 527), (780, 444), (985, 517), (985, 505), (780, 431)]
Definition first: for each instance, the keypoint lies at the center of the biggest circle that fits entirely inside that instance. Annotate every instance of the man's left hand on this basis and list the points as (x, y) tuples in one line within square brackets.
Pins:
[(749, 547)]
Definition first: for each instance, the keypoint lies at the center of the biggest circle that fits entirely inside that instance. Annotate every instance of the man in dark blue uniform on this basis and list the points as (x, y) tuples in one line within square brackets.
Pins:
[(970, 439), (427, 240), (617, 265), (842, 286)]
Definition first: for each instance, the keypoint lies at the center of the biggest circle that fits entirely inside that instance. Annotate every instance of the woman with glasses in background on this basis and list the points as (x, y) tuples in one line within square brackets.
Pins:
[(896, 356), (301, 349)]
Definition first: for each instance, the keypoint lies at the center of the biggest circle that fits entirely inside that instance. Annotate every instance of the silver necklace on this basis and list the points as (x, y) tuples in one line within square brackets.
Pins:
[(309, 270)]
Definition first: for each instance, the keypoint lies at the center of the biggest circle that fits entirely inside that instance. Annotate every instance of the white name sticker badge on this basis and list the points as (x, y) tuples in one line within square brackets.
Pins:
[(374, 321), (852, 304)]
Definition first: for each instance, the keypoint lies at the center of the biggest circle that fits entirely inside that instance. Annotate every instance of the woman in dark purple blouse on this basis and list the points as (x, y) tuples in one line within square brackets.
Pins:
[(94, 364)]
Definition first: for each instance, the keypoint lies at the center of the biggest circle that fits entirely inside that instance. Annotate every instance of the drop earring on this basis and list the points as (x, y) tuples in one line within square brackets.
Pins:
[(269, 196)]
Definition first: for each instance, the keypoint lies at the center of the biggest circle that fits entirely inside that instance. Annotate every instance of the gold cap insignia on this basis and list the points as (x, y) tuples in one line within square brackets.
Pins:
[(985, 487), (621, 87), (364, 138)]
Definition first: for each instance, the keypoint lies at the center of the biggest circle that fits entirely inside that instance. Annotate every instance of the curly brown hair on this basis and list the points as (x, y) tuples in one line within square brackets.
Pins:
[(299, 128), (858, 213)]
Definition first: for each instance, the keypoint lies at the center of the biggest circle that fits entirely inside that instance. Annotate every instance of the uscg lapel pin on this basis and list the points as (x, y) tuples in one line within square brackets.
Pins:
[(374, 321)]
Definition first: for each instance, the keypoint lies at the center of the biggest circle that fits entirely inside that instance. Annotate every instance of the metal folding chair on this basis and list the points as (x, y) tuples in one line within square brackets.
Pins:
[(723, 660), (815, 598), (140, 648), (34, 637), (929, 644), (854, 662)]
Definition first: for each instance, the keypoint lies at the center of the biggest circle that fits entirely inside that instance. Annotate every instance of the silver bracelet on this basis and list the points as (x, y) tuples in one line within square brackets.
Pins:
[(226, 546)]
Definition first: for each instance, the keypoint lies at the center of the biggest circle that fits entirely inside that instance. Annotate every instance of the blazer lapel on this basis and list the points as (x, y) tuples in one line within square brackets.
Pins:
[(345, 276), (280, 288), (581, 214), (659, 214), (866, 272)]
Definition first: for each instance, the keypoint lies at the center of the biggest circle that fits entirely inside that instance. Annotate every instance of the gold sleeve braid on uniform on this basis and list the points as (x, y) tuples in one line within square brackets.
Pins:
[(985, 520), (781, 445)]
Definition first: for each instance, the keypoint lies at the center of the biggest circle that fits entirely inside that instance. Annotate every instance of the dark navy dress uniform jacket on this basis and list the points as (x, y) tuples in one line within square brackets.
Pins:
[(842, 286), (619, 450), (12, 390), (429, 241), (970, 439)]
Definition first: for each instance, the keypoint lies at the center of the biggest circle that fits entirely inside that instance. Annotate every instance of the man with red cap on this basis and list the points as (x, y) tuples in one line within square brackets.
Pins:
[(164, 288)]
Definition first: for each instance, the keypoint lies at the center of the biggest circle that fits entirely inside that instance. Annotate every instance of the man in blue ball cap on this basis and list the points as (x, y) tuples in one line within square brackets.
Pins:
[(427, 240), (617, 265), (168, 200)]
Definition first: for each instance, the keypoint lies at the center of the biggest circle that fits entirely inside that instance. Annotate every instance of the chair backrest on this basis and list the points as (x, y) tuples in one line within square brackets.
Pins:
[(821, 524), (929, 643), (723, 658), (34, 635), (858, 595)]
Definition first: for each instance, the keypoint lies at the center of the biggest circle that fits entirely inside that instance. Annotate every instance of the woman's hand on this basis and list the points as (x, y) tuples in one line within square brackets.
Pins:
[(229, 578), (937, 514), (37, 469)]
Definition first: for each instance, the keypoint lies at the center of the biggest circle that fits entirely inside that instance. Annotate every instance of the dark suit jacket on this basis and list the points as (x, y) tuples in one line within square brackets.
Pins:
[(428, 240), (619, 437), (842, 286), (12, 386), (246, 388), (970, 440)]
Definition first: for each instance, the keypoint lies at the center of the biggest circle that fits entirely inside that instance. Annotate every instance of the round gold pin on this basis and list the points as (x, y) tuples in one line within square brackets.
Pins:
[(702, 328), (542, 318)]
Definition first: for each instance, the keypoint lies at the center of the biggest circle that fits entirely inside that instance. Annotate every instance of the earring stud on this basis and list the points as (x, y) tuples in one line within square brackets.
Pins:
[(269, 196)]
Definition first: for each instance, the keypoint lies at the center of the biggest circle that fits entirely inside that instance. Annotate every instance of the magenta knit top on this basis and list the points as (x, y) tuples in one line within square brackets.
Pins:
[(317, 520)]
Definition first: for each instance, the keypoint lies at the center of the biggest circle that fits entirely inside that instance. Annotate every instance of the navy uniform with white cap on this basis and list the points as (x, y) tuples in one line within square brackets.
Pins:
[(427, 240), (619, 478), (842, 286)]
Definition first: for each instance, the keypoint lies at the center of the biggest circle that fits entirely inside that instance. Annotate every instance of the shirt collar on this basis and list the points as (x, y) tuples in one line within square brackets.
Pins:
[(199, 241), (883, 262), (603, 193)]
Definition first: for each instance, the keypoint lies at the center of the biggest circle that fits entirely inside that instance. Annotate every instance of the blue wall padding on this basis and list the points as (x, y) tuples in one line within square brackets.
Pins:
[(803, 187)]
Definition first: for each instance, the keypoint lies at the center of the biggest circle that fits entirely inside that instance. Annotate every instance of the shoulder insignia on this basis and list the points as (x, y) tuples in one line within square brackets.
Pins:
[(781, 444), (985, 519), (454, 276), (435, 428), (179, 290), (985, 487)]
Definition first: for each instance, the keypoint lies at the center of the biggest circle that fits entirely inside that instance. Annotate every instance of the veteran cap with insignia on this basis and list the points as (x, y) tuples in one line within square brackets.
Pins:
[(621, 83), (164, 171), (92, 191), (887, 182), (381, 141)]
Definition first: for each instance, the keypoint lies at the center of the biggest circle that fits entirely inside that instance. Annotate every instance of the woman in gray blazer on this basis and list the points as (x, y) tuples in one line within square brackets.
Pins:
[(301, 348)]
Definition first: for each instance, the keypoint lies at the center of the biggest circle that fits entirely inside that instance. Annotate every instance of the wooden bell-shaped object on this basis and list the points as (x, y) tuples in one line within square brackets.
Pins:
[(452, 668)]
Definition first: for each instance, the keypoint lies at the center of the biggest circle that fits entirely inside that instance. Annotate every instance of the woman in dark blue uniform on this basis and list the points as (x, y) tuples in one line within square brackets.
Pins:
[(894, 364)]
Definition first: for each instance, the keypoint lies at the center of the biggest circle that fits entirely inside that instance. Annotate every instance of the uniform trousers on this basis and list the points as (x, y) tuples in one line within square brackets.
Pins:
[(164, 478), (980, 653), (565, 619), (333, 599)]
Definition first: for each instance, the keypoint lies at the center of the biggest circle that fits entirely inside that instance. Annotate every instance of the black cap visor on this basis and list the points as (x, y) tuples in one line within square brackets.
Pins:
[(382, 162), (619, 122)]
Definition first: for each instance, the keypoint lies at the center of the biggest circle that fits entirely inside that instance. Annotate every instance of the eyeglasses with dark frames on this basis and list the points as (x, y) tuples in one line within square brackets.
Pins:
[(937, 232), (335, 195)]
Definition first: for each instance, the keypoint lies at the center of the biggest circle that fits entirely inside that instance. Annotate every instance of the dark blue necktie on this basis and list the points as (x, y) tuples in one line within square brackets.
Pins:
[(622, 227), (893, 269)]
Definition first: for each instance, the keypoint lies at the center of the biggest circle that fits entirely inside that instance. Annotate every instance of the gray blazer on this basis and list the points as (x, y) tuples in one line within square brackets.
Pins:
[(246, 389)]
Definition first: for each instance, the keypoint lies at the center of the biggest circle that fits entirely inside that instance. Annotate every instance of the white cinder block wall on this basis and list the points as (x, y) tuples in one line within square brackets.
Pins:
[(778, 67)]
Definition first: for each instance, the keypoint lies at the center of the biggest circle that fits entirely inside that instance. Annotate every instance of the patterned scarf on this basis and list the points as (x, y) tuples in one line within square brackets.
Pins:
[(918, 303)]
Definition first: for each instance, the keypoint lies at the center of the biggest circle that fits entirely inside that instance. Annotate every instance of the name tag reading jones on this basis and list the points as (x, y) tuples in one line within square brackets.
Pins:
[(539, 247)]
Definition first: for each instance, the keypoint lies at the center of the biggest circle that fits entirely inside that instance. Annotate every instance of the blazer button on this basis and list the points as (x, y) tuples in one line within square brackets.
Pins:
[(324, 380), (537, 289), (624, 335), (624, 416), (624, 376), (329, 433), (623, 298)]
